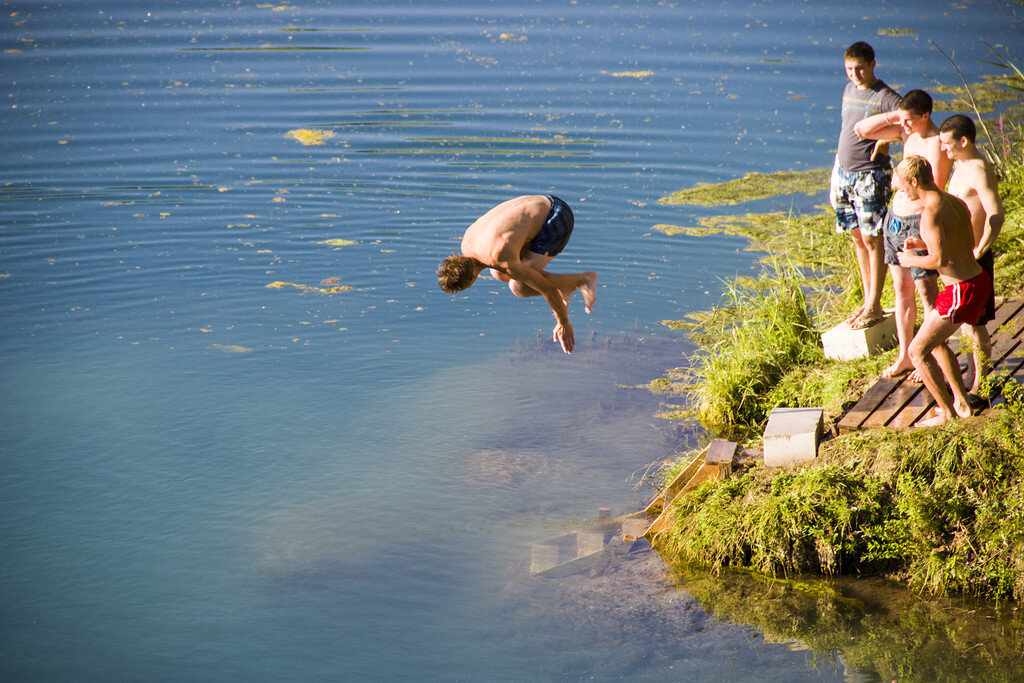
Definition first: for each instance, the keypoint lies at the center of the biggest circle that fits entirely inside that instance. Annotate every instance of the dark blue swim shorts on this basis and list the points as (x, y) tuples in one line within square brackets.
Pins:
[(555, 232), (897, 230)]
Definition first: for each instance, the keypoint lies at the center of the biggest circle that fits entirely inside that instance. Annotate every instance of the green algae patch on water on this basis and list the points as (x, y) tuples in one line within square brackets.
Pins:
[(231, 348), (630, 74), (306, 136), (673, 230), (309, 288), (751, 187), (897, 32), (986, 96), (337, 243)]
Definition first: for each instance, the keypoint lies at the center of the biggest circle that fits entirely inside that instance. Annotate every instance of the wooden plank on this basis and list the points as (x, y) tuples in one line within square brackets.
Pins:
[(892, 404), (1012, 370), (874, 395), (677, 482), (915, 409), (918, 408), (1003, 349), (1004, 333), (1004, 313), (1017, 376), (909, 402), (722, 453), (703, 475)]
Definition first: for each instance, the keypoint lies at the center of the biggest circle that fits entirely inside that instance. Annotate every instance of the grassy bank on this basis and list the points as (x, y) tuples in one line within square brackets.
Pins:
[(942, 509)]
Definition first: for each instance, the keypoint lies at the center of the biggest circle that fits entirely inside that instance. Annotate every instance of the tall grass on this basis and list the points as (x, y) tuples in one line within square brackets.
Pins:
[(770, 331)]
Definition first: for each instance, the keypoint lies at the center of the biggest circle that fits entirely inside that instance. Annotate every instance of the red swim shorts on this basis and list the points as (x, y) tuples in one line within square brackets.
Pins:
[(964, 302)]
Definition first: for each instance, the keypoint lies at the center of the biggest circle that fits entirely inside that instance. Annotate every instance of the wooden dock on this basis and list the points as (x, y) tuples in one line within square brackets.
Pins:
[(900, 403)]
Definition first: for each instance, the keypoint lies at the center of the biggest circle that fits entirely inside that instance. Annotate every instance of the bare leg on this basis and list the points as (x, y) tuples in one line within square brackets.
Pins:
[(937, 365), (954, 379), (567, 284), (906, 317), (981, 347), (860, 250), (927, 291), (876, 275)]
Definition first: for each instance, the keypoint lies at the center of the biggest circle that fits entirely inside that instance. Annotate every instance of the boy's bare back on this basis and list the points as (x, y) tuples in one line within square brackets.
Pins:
[(504, 232)]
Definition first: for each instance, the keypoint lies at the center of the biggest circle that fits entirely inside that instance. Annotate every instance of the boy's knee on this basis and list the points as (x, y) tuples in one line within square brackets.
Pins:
[(918, 352), (521, 290)]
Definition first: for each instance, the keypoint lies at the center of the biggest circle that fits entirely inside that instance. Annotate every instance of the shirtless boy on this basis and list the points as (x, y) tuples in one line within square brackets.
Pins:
[(974, 181), (862, 178), (910, 122), (516, 240), (948, 247)]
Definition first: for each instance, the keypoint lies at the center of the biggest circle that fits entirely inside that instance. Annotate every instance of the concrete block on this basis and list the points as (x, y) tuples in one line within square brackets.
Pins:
[(843, 343), (792, 436)]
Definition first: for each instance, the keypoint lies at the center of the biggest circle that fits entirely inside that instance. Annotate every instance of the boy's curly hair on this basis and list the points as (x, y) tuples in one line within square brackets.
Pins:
[(456, 273)]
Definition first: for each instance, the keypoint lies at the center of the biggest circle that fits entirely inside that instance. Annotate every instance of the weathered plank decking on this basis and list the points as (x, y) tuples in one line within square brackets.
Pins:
[(900, 403)]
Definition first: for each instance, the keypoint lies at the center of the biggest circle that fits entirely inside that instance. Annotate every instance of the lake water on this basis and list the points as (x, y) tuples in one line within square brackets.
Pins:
[(206, 478)]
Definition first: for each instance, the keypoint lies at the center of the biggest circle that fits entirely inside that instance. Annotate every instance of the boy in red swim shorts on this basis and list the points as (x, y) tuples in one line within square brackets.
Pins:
[(965, 302), (948, 245)]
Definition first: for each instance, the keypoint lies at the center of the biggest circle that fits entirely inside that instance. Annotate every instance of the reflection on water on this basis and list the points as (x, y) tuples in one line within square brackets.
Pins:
[(881, 630)]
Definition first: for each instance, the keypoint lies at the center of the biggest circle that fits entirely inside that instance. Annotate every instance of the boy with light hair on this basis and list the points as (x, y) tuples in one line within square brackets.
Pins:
[(946, 245)]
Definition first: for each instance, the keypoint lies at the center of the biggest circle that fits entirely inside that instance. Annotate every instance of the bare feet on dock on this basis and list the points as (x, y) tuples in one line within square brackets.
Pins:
[(898, 369), (940, 419), (962, 409), (589, 290), (937, 416)]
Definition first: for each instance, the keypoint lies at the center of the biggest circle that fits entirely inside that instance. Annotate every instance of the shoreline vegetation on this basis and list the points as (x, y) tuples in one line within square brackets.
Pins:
[(940, 510)]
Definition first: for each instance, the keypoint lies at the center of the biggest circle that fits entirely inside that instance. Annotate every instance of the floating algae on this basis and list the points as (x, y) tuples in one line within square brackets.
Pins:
[(232, 348), (750, 187), (761, 228), (307, 136), (337, 243), (897, 32), (673, 230), (309, 288), (632, 74), (995, 90)]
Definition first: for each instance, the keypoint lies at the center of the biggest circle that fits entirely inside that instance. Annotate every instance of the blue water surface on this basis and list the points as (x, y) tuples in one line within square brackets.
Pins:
[(203, 477)]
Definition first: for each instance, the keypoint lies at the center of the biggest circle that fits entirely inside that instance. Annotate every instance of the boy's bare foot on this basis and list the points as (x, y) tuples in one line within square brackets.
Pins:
[(589, 290), (934, 421), (898, 369), (962, 409), (856, 313)]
